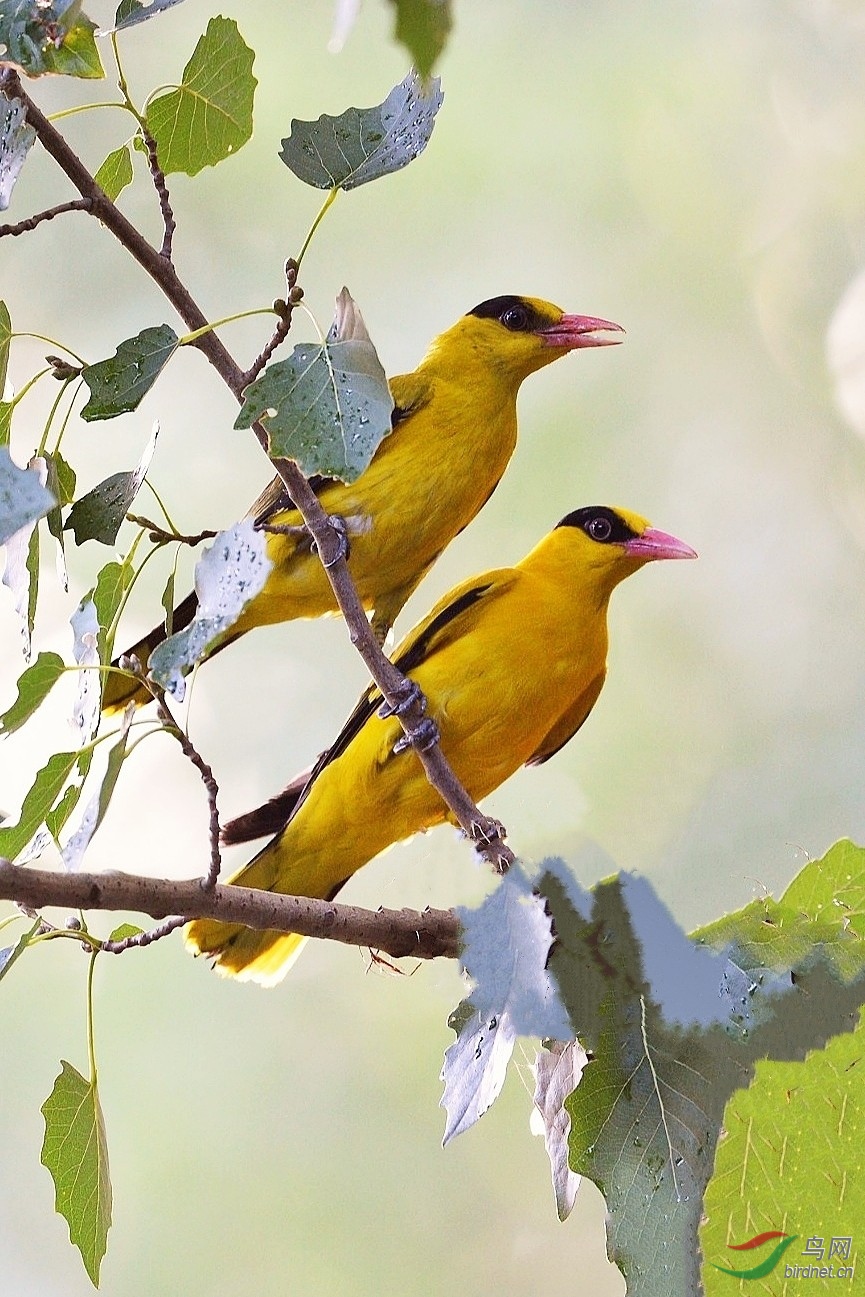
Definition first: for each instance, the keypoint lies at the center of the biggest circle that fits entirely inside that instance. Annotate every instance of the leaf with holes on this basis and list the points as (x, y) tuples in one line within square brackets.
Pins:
[(209, 116), (75, 1151), (131, 12), (363, 144), (21, 573), (328, 406), (506, 942), (23, 497), (16, 140), (229, 573)]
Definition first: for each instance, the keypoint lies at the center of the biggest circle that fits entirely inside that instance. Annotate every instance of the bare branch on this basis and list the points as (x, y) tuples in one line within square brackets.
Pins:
[(160, 536), (24, 227), (430, 934)]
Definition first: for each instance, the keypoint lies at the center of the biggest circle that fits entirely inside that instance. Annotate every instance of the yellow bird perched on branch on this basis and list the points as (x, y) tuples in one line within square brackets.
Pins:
[(510, 662), (454, 430)]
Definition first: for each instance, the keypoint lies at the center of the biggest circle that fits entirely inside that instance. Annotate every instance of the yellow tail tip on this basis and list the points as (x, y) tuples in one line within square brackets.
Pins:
[(247, 954)]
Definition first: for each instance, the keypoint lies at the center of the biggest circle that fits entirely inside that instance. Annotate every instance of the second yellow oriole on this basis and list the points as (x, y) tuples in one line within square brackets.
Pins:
[(511, 664)]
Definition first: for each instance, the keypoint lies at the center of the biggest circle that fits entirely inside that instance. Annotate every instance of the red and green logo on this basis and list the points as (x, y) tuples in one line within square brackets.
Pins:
[(769, 1262)]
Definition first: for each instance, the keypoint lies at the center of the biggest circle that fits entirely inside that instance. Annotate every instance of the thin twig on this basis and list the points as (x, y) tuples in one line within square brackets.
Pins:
[(394, 688), (279, 335), (24, 227), (161, 187), (162, 537), (430, 934), (141, 939)]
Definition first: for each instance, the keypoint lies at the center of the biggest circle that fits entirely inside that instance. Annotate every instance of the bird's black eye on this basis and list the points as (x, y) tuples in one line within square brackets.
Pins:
[(599, 528), (515, 318)]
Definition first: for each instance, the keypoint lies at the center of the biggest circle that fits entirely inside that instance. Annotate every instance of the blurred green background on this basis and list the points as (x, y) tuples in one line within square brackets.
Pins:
[(693, 171)]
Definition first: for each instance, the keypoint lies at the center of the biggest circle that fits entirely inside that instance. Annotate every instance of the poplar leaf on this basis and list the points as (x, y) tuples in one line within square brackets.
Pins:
[(34, 687), (116, 172), (40, 799), (328, 406), (99, 514), (363, 144), (75, 1151), (120, 383), (94, 813), (209, 116)]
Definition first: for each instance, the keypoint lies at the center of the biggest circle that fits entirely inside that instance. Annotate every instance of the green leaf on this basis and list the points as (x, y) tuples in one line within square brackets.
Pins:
[(16, 140), (115, 173), (168, 601), (9, 955), (676, 1026), (125, 931), (423, 26), (33, 688), (75, 1151), (112, 583), (130, 12), (61, 484), (363, 144), (5, 341), (49, 37), (209, 116), (59, 814), (23, 498), (792, 1159), (120, 383), (40, 799), (6, 407), (229, 573), (328, 406), (99, 514)]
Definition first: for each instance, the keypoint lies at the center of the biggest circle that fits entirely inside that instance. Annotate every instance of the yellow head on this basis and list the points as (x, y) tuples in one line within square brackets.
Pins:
[(598, 547), (515, 336)]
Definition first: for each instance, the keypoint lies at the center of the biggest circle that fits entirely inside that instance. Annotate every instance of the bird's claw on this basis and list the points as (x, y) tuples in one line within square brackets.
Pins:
[(343, 549), (486, 831), (423, 737), (406, 696)]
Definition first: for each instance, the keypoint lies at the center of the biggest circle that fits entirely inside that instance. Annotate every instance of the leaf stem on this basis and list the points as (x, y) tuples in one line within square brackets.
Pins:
[(189, 338), (318, 220), (86, 108), (91, 1052)]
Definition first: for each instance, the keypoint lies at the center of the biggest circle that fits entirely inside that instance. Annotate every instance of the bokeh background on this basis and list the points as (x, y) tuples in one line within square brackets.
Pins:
[(695, 172)]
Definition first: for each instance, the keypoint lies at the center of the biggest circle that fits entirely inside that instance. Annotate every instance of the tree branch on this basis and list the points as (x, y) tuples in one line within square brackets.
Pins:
[(430, 934), (486, 833), (24, 227)]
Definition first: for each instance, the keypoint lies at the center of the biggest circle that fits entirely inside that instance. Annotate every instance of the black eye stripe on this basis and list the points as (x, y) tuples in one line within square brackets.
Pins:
[(498, 308), (600, 523)]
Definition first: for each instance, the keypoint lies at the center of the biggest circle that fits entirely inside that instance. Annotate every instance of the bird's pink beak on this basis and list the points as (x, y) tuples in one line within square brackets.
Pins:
[(573, 331), (658, 544)]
